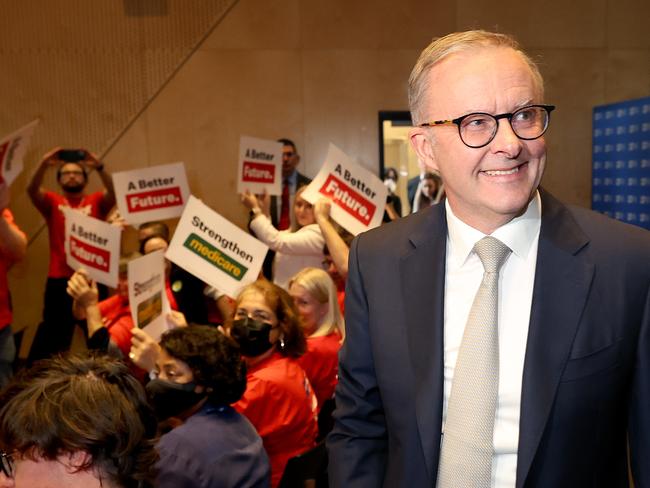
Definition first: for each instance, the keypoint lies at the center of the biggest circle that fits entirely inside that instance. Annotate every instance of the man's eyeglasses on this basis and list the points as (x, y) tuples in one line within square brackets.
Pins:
[(7, 464), (478, 129)]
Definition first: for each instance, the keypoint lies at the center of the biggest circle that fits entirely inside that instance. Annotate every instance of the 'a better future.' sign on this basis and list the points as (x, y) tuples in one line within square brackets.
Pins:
[(154, 193)]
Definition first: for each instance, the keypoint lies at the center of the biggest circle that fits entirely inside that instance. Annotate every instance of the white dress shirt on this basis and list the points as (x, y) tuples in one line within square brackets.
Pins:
[(463, 278)]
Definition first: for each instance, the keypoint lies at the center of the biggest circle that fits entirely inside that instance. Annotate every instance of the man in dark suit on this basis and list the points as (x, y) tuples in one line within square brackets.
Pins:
[(573, 362), (280, 208)]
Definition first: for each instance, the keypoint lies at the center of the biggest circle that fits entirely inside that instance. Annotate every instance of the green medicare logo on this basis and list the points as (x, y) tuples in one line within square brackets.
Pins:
[(215, 257)]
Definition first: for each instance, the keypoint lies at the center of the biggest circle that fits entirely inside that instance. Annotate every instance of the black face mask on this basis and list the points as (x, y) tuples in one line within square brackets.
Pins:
[(252, 336), (171, 399)]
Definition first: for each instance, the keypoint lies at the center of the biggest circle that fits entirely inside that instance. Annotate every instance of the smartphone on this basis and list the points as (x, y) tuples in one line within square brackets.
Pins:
[(71, 155)]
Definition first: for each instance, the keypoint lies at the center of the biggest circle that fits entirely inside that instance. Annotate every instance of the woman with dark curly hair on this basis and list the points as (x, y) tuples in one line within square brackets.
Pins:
[(279, 400), (78, 422), (200, 374)]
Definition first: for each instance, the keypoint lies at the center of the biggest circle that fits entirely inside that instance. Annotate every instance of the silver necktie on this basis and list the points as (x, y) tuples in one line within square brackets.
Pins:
[(467, 444)]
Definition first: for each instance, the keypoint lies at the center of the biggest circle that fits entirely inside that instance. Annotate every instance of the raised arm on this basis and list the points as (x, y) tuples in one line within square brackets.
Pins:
[(35, 189), (108, 201), (338, 249)]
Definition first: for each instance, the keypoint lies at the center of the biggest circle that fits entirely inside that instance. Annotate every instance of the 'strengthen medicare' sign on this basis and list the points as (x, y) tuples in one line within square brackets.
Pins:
[(215, 250), (12, 151), (154, 193), (147, 295), (358, 197), (93, 245), (260, 166)]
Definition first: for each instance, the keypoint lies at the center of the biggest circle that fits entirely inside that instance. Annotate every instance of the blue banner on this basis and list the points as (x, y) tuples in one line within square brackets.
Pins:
[(621, 161)]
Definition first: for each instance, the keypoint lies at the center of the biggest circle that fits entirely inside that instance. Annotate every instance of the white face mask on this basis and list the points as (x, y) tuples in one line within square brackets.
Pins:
[(390, 184)]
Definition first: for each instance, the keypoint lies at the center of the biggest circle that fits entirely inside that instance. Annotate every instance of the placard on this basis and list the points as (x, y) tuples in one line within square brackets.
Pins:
[(358, 196), (153, 193), (12, 151), (92, 244), (260, 166), (147, 295), (215, 250)]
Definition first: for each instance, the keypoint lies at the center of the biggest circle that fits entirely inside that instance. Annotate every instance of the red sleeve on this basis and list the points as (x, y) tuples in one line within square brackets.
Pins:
[(50, 200), (120, 332), (8, 216), (97, 200)]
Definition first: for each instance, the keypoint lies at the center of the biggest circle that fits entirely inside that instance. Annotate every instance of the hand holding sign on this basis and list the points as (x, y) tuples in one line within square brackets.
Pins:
[(144, 350), (82, 289), (358, 197)]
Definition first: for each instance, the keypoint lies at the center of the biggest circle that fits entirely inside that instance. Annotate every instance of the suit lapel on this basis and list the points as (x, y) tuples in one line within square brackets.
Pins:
[(422, 273), (562, 280)]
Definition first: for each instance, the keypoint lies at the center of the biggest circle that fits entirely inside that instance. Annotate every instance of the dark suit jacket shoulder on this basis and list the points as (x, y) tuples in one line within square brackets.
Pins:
[(586, 371)]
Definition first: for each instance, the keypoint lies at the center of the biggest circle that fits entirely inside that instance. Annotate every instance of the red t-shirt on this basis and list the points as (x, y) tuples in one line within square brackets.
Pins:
[(88, 204), (5, 303), (116, 317), (321, 363), (281, 405)]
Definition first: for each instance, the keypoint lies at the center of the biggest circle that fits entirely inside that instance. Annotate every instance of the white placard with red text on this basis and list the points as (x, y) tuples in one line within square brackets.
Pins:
[(260, 166), (12, 151), (154, 193), (92, 244), (215, 250), (358, 196), (147, 295)]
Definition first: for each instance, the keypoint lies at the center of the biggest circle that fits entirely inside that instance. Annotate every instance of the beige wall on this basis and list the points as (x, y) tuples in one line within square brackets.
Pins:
[(320, 71)]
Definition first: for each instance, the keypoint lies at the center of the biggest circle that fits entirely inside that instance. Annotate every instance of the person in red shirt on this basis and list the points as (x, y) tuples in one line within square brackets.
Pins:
[(109, 322), (13, 245), (314, 294), (278, 400), (55, 332)]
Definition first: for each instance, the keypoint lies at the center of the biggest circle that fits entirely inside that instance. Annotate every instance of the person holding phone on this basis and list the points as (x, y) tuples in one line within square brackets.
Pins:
[(72, 168)]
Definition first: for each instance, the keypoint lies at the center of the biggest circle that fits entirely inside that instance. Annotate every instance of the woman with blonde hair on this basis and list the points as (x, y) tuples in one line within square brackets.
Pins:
[(314, 294), (295, 248)]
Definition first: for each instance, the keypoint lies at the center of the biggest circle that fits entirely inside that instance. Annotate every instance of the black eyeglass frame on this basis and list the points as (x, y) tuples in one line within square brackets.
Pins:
[(458, 121), (7, 464)]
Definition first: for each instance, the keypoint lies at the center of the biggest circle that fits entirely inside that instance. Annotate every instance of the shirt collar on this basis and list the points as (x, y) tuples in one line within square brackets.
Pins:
[(292, 179), (518, 234)]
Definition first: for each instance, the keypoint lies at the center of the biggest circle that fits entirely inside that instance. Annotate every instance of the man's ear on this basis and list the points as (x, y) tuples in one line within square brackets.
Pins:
[(76, 461), (421, 144)]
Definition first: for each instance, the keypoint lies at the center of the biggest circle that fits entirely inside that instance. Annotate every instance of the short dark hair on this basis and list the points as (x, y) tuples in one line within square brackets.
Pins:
[(157, 228), (390, 169), (81, 166), (285, 310), (214, 359), (82, 403), (288, 142)]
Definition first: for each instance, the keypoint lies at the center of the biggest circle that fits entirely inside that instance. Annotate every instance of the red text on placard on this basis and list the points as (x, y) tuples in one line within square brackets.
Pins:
[(258, 172), (151, 200), (90, 255), (349, 200)]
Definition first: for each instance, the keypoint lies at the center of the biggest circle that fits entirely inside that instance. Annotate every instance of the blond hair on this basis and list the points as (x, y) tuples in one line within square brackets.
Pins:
[(443, 47), (320, 286)]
